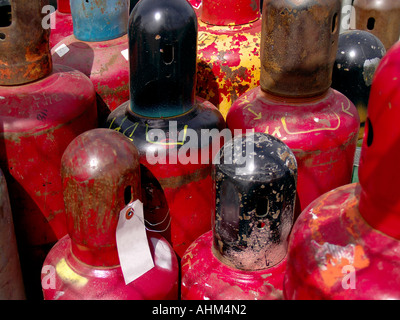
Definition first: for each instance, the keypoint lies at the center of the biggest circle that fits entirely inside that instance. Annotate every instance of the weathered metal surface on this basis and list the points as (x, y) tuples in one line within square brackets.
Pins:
[(21, 28), (345, 244), (105, 65), (380, 17), (38, 122), (176, 194), (358, 55), (104, 62), (177, 197), (298, 46), (63, 26), (212, 280), (101, 174), (244, 255), (254, 201), (294, 102), (228, 51), (322, 132), (11, 284), (99, 20)]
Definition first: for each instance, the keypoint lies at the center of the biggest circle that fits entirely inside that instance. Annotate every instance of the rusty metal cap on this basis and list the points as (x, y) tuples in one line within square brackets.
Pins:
[(380, 17), (101, 175), (230, 12), (24, 43), (99, 20), (299, 40), (255, 184)]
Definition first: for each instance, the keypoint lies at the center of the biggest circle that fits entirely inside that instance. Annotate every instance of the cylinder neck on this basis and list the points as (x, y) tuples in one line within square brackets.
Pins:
[(24, 43), (299, 41), (100, 174), (63, 6), (255, 199), (99, 20), (230, 12), (163, 52)]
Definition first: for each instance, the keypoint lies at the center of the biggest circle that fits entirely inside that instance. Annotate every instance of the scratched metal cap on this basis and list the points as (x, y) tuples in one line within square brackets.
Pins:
[(99, 20), (255, 183), (24, 42), (299, 41), (379, 17), (101, 175)]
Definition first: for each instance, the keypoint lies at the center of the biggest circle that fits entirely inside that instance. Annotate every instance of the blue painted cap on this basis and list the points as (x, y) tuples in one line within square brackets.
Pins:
[(99, 20)]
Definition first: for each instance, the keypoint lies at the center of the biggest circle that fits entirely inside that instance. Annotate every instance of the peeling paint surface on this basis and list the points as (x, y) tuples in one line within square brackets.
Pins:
[(228, 62), (322, 250)]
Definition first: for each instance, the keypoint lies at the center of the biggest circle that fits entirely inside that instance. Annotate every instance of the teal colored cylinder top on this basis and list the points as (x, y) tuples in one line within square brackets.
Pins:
[(99, 20)]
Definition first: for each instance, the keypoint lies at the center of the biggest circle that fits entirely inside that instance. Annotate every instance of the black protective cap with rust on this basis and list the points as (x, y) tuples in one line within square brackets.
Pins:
[(24, 42), (299, 41), (255, 183)]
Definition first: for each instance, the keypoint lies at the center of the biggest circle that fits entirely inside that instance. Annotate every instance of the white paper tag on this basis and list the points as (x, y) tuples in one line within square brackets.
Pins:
[(61, 50), (125, 53), (133, 249)]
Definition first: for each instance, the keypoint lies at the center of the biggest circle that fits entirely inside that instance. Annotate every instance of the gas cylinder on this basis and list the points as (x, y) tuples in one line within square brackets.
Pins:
[(11, 284), (62, 20), (345, 244), (101, 175), (358, 55), (173, 129), (244, 256), (42, 109), (380, 17), (228, 51), (295, 102), (99, 48)]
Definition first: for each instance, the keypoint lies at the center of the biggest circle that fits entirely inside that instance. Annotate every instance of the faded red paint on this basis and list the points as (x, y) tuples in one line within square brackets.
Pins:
[(321, 131), (104, 63), (86, 263), (345, 244), (210, 279), (38, 121), (331, 239), (63, 26), (75, 280)]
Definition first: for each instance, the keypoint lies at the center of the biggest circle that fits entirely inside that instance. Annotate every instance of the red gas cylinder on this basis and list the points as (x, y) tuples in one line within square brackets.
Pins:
[(295, 102), (244, 256), (11, 284), (101, 175), (345, 244), (42, 109), (99, 49), (228, 50), (62, 20), (380, 17), (169, 125)]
